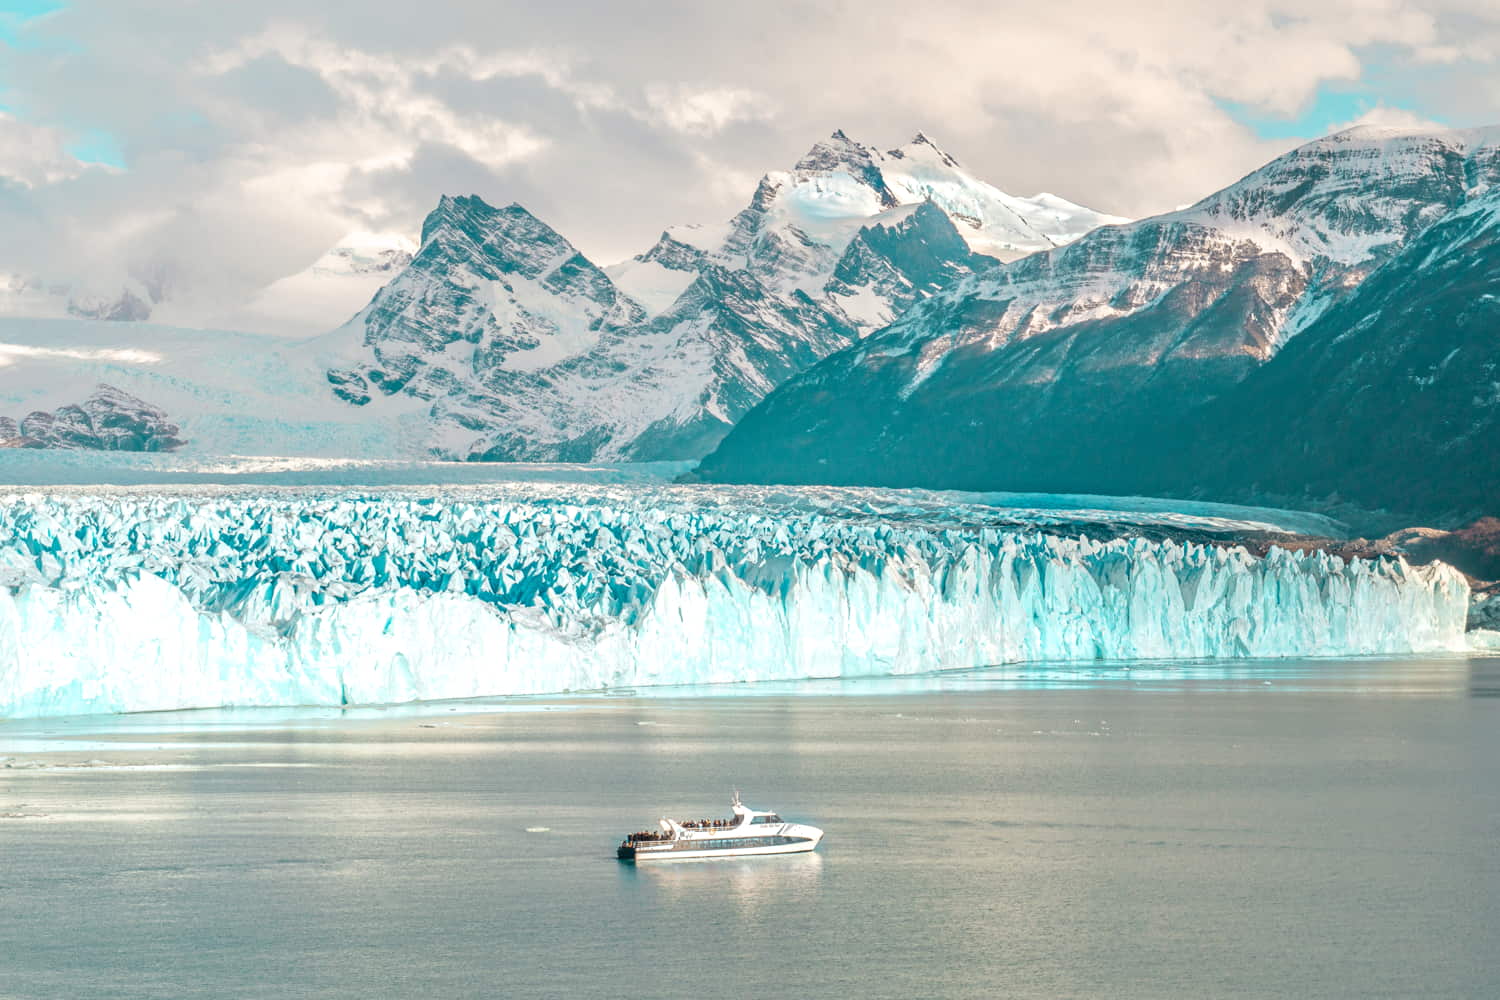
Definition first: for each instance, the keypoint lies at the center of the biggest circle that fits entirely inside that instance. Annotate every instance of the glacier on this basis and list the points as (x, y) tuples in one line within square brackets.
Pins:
[(137, 599)]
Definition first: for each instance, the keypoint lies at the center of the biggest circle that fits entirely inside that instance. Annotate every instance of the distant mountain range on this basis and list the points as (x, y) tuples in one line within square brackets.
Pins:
[(527, 350), (1324, 329)]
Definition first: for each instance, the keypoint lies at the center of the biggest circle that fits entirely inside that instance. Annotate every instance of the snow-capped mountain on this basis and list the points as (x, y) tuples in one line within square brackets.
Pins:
[(498, 287), (799, 224), (990, 221), (528, 350), (1062, 371), (364, 252), (495, 338)]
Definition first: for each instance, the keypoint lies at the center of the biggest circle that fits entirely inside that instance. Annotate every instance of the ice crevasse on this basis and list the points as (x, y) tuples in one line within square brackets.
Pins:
[(141, 602)]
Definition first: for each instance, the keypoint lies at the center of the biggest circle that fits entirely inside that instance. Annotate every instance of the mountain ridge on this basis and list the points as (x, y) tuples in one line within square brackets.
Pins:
[(1056, 372), (527, 349)]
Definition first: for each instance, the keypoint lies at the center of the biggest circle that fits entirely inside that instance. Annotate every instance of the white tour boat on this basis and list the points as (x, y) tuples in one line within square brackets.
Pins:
[(746, 832)]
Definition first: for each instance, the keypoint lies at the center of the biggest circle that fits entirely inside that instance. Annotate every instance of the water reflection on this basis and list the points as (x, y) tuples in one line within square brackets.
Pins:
[(58, 733), (748, 883), (1484, 677), (1441, 675), (1456, 675)]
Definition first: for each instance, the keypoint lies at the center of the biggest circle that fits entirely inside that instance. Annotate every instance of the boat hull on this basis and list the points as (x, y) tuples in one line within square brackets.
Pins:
[(792, 841)]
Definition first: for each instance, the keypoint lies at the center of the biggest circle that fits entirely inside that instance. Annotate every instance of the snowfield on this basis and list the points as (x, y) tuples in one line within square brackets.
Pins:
[(135, 600), (231, 393)]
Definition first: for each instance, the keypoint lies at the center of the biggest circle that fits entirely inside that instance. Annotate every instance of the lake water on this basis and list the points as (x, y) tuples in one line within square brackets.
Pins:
[(1301, 830)]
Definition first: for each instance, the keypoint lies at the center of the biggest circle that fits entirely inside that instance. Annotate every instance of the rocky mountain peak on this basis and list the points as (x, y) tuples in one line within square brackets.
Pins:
[(1357, 195), (922, 145), (448, 212), (840, 154), (472, 215), (835, 151), (127, 307), (469, 231)]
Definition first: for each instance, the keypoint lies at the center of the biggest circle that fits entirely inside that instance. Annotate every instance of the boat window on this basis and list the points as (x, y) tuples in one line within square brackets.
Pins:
[(773, 818)]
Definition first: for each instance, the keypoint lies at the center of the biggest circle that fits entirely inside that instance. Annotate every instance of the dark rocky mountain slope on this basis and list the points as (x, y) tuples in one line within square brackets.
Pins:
[(110, 419), (1268, 340)]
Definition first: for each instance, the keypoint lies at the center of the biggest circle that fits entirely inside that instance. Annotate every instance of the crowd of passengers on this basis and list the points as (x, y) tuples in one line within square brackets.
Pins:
[(709, 824), (645, 835), (700, 824)]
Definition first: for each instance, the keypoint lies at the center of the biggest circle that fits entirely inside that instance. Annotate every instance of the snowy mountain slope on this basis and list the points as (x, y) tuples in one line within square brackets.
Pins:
[(1059, 371), (655, 391), (650, 283), (229, 393), (136, 601), (1390, 400), (530, 352), (1354, 194), (799, 222), (898, 258), (489, 287), (991, 222), (841, 185)]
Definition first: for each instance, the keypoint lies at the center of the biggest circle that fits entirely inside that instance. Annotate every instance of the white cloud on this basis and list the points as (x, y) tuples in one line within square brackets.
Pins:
[(1388, 117), (708, 111), (33, 154), (260, 133), (386, 114)]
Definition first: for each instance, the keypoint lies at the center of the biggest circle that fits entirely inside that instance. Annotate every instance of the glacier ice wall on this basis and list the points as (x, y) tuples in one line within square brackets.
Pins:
[(133, 602)]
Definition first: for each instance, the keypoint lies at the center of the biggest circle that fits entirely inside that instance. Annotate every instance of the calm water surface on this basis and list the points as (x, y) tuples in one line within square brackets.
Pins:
[(1284, 830)]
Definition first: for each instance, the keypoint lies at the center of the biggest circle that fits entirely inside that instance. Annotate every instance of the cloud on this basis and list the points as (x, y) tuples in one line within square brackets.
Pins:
[(1388, 117), (254, 135), (706, 112), (383, 110), (33, 154)]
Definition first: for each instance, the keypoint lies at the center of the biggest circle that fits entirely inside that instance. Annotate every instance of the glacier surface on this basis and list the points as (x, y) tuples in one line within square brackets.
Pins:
[(135, 600)]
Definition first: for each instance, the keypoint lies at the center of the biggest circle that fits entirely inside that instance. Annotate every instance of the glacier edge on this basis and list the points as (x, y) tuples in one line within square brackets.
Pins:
[(137, 603)]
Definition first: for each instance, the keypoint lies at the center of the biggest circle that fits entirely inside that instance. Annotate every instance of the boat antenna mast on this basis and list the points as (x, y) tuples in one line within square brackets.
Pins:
[(736, 800)]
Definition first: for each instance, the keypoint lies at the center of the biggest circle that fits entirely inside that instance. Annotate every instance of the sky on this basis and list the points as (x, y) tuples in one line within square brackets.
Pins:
[(217, 147)]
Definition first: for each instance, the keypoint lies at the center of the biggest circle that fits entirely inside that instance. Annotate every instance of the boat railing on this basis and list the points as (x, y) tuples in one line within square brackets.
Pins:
[(710, 824)]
